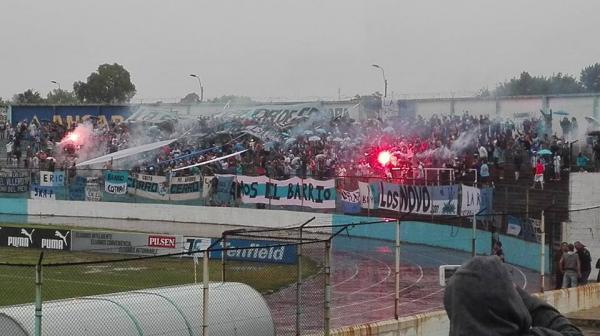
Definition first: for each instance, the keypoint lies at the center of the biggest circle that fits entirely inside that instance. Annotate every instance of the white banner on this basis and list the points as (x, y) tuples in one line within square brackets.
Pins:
[(308, 192), (253, 189), (471, 201), (93, 193), (513, 229), (115, 188), (185, 188), (149, 186), (52, 179), (366, 196)]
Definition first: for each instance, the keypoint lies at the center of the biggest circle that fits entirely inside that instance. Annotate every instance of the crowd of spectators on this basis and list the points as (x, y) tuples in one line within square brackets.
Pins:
[(321, 149)]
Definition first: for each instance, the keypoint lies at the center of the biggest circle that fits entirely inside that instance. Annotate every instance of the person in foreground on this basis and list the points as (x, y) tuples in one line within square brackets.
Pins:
[(481, 299)]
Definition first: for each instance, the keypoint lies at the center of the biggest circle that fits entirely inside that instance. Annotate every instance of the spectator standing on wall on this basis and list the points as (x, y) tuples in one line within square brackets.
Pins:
[(570, 267), (598, 268), (585, 260), (539, 174)]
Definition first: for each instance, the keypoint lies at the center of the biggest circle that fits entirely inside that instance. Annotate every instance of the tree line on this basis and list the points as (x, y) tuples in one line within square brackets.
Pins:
[(109, 84), (525, 84)]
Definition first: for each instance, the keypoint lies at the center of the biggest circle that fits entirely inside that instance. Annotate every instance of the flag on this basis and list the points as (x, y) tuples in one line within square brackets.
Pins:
[(350, 201), (514, 226)]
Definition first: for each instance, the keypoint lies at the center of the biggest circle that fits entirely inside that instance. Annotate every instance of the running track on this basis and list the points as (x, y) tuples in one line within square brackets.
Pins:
[(363, 284)]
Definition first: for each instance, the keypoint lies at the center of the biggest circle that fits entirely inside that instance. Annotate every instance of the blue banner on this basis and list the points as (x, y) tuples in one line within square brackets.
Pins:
[(487, 201), (77, 189), (266, 251), (225, 189)]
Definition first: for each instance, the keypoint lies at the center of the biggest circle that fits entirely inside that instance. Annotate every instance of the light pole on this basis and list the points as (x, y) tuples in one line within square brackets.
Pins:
[(201, 87), (384, 79), (57, 83)]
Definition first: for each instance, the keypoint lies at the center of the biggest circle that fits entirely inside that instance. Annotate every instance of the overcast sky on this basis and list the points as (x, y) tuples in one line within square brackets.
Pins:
[(301, 49)]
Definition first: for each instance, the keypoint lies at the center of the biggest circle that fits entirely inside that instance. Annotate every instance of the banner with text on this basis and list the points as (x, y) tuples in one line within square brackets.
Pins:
[(294, 191), (126, 242), (423, 200), (115, 182), (35, 238), (185, 188), (44, 193), (14, 181), (52, 179), (148, 186)]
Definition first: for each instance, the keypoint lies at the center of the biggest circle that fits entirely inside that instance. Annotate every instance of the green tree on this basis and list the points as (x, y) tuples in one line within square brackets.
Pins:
[(190, 98), (110, 84), (590, 78), (59, 96), (526, 84), (28, 96)]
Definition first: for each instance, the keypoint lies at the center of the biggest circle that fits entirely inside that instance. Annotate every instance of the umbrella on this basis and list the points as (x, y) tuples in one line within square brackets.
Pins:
[(561, 113), (308, 132), (314, 138), (389, 129), (338, 139), (290, 141), (321, 131), (544, 152)]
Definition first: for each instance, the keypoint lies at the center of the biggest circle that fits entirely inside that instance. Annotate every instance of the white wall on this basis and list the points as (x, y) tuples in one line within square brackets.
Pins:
[(175, 213), (437, 324), (584, 225)]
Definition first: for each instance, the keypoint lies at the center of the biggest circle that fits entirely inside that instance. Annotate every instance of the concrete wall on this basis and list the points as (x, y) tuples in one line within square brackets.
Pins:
[(159, 218), (130, 215), (437, 323), (584, 225), (517, 251), (515, 108)]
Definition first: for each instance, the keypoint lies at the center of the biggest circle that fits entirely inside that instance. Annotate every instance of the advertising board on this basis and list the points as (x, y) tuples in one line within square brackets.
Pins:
[(24, 237), (126, 242)]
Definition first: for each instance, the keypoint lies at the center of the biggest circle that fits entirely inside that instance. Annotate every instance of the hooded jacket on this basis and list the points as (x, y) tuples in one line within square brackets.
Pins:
[(481, 299)]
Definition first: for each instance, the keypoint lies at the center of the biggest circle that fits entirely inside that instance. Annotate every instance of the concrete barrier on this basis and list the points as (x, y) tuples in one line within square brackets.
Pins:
[(437, 324), (174, 213)]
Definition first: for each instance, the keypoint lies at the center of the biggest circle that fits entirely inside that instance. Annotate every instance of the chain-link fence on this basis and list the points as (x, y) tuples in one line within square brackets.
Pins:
[(299, 280)]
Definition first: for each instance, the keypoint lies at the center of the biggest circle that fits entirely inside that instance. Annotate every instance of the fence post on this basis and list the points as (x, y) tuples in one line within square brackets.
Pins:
[(205, 293), (327, 308), (298, 282), (542, 251), (223, 251), (397, 280), (474, 238), (38, 296), (527, 203)]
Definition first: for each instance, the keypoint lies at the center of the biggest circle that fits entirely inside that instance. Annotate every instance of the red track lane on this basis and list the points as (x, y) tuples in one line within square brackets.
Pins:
[(363, 286)]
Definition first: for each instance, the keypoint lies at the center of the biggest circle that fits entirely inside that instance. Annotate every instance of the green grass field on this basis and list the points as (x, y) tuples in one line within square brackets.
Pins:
[(17, 283)]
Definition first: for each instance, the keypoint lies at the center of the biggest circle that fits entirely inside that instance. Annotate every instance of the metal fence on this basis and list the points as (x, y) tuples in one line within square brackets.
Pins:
[(301, 280)]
